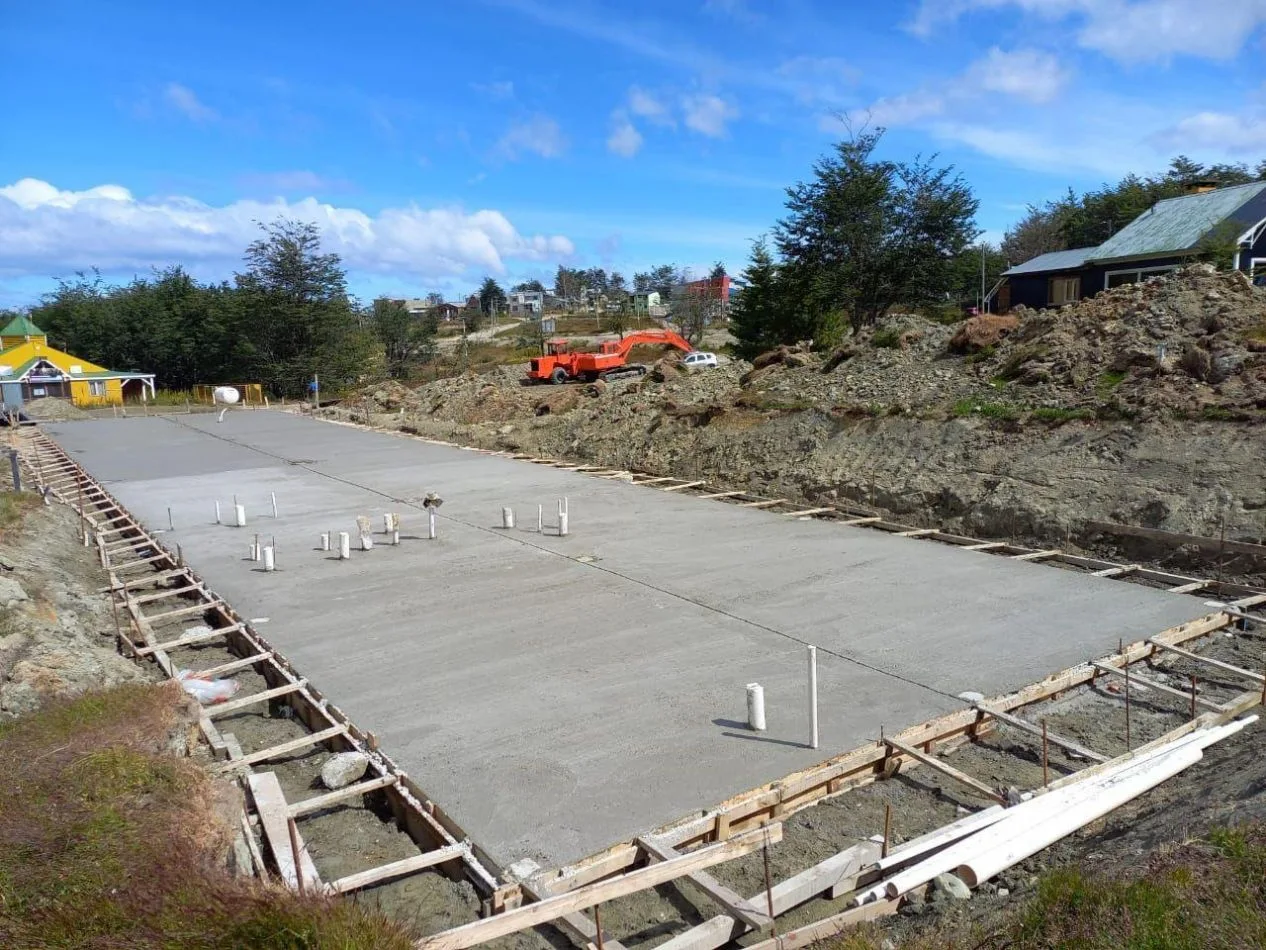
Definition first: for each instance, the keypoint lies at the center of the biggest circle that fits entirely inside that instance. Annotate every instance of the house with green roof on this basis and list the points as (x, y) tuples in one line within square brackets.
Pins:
[(1166, 236), (31, 369)]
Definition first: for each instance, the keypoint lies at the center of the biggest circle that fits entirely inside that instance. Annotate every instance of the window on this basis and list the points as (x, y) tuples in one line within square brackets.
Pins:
[(1119, 278), (96, 387), (1063, 290)]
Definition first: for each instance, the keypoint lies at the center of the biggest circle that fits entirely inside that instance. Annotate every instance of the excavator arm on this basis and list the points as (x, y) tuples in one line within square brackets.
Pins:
[(653, 336)]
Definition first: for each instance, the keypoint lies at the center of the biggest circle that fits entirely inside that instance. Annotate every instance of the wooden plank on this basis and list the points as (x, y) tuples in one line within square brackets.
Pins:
[(652, 480), (948, 770), (292, 746), (188, 639), (577, 925), (1159, 687), (273, 818), (806, 513), (233, 705), (164, 594), (1252, 601), (1190, 588), (871, 520), (829, 927), (127, 565), (726, 898), (683, 485), (550, 909), (1025, 726), (724, 494), (386, 872), (181, 612), (764, 504), (1036, 555), (1117, 571), (986, 546), (1238, 671), (232, 667), (155, 578), (916, 533), (1178, 539), (321, 802)]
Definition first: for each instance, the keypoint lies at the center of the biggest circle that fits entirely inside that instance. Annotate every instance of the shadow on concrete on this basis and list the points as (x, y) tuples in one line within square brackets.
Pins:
[(753, 736)]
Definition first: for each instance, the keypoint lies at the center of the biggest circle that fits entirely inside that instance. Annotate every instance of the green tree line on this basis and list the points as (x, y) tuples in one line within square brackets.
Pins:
[(285, 318)]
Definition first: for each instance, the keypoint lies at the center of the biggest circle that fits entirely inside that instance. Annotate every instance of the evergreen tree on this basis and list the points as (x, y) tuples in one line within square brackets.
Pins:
[(755, 316), (492, 299)]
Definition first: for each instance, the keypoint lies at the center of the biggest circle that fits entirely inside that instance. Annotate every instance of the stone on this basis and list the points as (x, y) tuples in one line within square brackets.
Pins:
[(522, 870), (971, 696), (952, 886), (1004, 892), (344, 768), (11, 592)]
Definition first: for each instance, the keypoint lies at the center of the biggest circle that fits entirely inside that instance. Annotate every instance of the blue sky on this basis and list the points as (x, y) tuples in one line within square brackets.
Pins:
[(436, 142)]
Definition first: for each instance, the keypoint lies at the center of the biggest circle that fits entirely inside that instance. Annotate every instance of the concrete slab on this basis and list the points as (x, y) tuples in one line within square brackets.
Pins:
[(560, 694)]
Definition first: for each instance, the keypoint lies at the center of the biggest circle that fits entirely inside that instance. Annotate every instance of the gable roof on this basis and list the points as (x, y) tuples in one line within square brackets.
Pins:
[(21, 325), (1055, 260), (1176, 225)]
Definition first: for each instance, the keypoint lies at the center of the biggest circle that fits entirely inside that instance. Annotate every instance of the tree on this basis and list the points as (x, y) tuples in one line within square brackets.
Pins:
[(641, 282), (407, 341), (965, 280), (528, 286), (492, 299), (757, 319), (301, 319), (866, 233), (718, 271), (568, 283), (662, 279), (1040, 231)]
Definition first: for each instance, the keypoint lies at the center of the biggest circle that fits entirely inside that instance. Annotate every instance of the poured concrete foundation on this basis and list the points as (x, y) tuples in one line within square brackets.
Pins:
[(559, 694)]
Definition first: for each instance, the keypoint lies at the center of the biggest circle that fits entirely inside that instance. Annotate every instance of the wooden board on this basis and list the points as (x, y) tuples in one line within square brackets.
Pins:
[(1238, 671), (388, 872), (1159, 687), (1035, 730), (1177, 539), (726, 898), (321, 802), (293, 745), (550, 909), (274, 819), (235, 705), (945, 768)]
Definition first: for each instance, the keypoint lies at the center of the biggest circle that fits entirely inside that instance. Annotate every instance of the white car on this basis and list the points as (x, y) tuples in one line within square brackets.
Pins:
[(698, 360)]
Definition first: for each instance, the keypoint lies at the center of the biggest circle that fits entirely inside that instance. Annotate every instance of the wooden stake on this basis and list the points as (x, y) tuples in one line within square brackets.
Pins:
[(1193, 696), (294, 847), (769, 890), (883, 851), (597, 924), (1046, 772), (1128, 744)]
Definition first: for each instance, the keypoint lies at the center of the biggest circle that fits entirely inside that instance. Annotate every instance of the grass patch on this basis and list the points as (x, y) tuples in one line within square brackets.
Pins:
[(107, 841), (14, 507), (1058, 414), (1013, 366), (980, 356), (988, 410), (1256, 334), (886, 338), (1107, 383)]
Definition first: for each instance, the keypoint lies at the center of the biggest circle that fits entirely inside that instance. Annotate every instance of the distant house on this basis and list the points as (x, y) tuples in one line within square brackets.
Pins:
[(31, 369), (643, 300), (526, 303), (446, 312), (1168, 235)]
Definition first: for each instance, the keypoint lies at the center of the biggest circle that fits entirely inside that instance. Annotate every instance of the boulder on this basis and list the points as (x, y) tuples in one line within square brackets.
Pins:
[(981, 332), (344, 768), (952, 886), (11, 592)]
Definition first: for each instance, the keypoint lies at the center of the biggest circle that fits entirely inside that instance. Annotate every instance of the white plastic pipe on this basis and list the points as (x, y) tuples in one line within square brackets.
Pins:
[(325, 540), (217, 513), (239, 512), (755, 707), (273, 496), (540, 519), (507, 517), (430, 526), (366, 542), (256, 553), (344, 545), (387, 523), (813, 696), (270, 560), (395, 536)]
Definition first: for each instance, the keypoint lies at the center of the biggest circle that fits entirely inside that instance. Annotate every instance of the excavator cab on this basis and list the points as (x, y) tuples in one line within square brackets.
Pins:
[(557, 347)]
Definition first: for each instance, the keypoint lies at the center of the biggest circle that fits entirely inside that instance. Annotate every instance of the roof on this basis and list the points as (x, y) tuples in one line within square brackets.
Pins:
[(1178, 224), (21, 325), (1055, 260)]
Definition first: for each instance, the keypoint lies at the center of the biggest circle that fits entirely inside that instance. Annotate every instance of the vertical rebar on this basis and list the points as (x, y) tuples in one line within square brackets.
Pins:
[(769, 889), (883, 848), (1129, 746), (597, 923), (1046, 771), (170, 524), (1193, 696)]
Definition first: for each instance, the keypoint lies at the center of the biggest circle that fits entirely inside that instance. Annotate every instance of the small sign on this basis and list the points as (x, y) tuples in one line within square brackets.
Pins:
[(547, 325)]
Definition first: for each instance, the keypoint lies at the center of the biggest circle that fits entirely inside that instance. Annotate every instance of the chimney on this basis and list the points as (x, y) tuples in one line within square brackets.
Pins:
[(1201, 185)]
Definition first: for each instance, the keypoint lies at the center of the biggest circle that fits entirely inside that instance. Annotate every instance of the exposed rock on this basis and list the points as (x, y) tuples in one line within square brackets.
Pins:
[(952, 886), (11, 592), (344, 768)]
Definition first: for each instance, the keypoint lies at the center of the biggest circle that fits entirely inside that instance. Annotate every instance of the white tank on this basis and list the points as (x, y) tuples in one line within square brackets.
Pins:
[(226, 395)]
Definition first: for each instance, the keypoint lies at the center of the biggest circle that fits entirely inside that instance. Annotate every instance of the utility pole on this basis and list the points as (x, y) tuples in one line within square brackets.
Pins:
[(982, 276)]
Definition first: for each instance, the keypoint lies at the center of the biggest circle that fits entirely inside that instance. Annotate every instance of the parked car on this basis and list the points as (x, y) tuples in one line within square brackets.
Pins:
[(698, 360)]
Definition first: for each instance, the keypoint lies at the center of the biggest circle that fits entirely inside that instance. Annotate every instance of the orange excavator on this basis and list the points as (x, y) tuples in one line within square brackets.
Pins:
[(560, 364)]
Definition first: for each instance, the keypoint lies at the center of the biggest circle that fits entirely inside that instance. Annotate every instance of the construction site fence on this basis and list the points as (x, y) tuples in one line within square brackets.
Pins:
[(249, 394)]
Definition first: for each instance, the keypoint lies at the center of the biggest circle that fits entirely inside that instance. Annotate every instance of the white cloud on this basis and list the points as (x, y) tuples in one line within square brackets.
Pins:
[(1128, 30), (647, 106), (45, 230), (624, 139), (707, 114), (184, 100), (1219, 132), (538, 134)]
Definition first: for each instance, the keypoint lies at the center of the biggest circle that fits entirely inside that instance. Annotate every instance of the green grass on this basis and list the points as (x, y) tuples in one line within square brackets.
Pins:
[(980, 356), (14, 507), (107, 841), (886, 338), (1107, 384), (987, 410), (1059, 414), (1256, 334)]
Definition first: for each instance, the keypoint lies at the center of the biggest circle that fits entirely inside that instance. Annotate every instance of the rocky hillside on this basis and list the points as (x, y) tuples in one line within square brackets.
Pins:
[(1141, 405)]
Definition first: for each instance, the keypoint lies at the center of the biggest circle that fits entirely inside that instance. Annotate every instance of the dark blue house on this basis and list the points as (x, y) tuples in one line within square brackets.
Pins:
[(1164, 237)]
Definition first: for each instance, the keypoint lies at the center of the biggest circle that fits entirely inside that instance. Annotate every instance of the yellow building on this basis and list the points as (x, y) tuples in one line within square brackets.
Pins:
[(31, 369)]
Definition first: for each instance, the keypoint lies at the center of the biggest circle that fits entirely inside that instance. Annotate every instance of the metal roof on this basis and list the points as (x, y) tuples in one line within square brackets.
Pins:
[(1177, 224), (1055, 260), (21, 325)]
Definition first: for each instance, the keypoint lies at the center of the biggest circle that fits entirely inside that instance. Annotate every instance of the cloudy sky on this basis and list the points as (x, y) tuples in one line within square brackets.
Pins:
[(436, 142)]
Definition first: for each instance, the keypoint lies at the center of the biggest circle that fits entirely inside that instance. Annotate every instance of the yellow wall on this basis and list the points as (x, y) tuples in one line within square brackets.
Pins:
[(81, 393), (23, 353)]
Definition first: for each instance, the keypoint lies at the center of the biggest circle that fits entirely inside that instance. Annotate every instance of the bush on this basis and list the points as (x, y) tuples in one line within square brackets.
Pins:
[(988, 410), (888, 338)]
